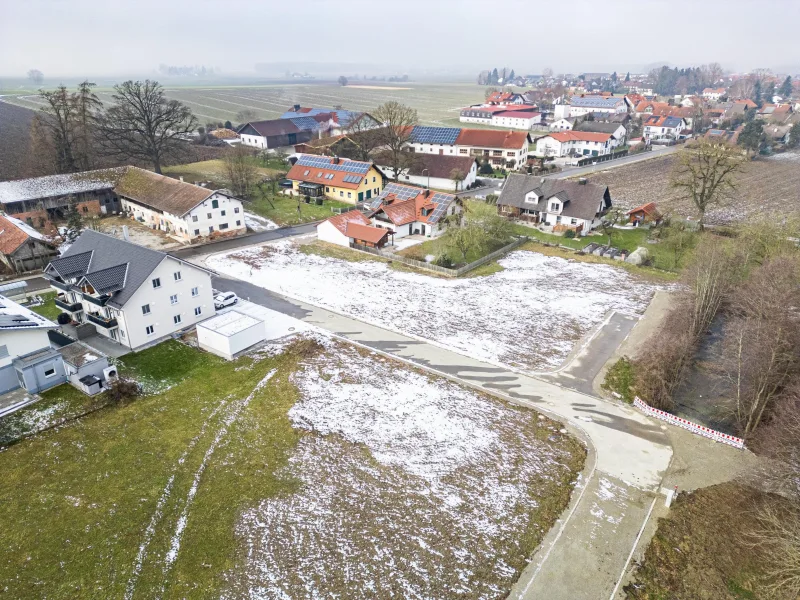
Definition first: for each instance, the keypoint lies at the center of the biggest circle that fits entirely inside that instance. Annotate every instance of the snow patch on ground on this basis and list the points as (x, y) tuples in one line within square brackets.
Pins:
[(258, 223), (528, 316), (407, 483)]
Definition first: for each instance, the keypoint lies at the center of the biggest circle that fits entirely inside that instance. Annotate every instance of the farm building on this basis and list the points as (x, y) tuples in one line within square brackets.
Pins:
[(436, 171), (555, 203), (22, 248), (40, 201)]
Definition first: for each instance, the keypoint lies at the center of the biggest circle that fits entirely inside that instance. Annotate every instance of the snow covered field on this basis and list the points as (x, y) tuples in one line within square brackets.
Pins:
[(409, 487), (528, 316)]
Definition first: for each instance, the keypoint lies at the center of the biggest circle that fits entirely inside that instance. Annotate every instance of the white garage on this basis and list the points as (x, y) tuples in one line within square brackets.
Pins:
[(229, 334)]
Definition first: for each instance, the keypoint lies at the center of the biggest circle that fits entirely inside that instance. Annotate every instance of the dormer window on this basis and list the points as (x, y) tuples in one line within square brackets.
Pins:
[(531, 198)]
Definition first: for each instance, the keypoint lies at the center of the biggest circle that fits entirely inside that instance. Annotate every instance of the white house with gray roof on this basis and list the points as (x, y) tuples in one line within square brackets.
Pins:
[(577, 106), (131, 294), (557, 204)]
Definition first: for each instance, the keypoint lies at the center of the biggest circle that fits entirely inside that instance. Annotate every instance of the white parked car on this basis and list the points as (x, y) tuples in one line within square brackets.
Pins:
[(225, 299)]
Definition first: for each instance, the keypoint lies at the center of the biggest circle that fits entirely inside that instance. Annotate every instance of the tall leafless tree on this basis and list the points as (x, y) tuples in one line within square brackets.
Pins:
[(398, 123), (58, 120), (241, 173), (705, 173), (144, 125)]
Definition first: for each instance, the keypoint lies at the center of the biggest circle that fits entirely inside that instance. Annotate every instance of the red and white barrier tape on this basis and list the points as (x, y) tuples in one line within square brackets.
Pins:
[(717, 436)]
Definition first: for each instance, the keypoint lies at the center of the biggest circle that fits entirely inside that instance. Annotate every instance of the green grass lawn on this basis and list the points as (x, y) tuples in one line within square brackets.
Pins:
[(285, 209), (214, 170), (48, 310), (76, 501), (437, 247)]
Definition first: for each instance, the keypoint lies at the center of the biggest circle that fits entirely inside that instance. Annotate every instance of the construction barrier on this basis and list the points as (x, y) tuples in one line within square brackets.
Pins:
[(717, 436)]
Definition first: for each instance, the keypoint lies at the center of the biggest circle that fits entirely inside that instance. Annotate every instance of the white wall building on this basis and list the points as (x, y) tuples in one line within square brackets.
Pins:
[(498, 147), (663, 128), (181, 209), (133, 295), (575, 143), (229, 334), (579, 106)]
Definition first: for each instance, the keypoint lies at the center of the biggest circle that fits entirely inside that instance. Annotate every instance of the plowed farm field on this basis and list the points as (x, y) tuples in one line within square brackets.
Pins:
[(767, 186)]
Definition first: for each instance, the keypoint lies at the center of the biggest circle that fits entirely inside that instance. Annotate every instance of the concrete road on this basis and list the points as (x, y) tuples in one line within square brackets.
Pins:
[(246, 240), (586, 553), (658, 151)]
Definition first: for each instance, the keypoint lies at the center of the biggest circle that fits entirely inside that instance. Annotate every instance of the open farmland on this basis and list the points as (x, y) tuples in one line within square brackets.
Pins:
[(768, 185), (15, 125), (436, 104)]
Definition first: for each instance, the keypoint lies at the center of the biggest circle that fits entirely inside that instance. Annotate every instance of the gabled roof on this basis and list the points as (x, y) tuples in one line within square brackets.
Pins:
[(276, 127), (368, 233), (58, 185), (435, 165), (329, 170), (401, 213), (648, 209), (491, 138), (341, 221), (340, 116), (161, 192), (14, 233), (104, 260), (579, 136), (412, 199), (582, 200), (595, 127), (663, 121)]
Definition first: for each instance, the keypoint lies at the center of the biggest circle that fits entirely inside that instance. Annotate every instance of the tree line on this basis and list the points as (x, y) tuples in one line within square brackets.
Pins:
[(495, 76), (689, 80), (75, 131)]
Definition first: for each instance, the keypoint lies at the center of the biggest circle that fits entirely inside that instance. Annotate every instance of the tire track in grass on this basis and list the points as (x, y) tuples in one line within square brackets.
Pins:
[(160, 505), (228, 420)]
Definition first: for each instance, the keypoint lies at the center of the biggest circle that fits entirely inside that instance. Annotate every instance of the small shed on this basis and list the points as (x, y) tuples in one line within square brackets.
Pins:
[(40, 370), (85, 367), (646, 213), (231, 333)]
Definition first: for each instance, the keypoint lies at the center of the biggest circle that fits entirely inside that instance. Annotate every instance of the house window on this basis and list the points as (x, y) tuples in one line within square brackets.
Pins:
[(156, 283), (197, 232), (197, 311), (554, 206), (195, 291), (86, 209), (573, 221), (176, 319), (238, 223), (327, 189), (463, 151), (149, 330), (236, 210), (173, 299), (122, 333), (211, 229), (49, 372), (208, 215), (177, 275), (215, 204), (341, 194), (194, 218), (349, 195), (222, 213), (223, 226), (373, 180), (146, 309)]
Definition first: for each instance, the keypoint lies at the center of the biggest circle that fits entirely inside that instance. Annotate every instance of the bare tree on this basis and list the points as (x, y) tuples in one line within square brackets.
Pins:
[(705, 173), (776, 533), (246, 115), (86, 107), (36, 76), (142, 124), (398, 123), (762, 339), (342, 80), (365, 135), (457, 176), (58, 120), (241, 173)]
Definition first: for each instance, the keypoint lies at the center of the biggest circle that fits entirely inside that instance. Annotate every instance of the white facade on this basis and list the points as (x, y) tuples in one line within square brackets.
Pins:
[(328, 232), (19, 342), (520, 121), (257, 141), (437, 183), (713, 94), (562, 124), (229, 334), (219, 213), (495, 155), (549, 146), (182, 298), (652, 132)]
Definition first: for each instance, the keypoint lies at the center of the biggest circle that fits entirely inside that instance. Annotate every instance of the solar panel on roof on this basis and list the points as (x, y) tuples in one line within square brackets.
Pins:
[(435, 135), (325, 162)]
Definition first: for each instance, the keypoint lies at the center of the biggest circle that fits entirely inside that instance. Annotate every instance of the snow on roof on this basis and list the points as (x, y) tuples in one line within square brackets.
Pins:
[(57, 185), (230, 323), (29, 231)]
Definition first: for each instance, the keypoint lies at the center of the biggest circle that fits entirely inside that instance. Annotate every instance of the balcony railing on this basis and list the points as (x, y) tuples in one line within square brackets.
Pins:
[(65, 287), (64, 304), (97, 301), (102, 321)]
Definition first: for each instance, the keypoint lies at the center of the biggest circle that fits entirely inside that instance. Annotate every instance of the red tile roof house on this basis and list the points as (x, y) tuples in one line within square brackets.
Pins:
[(408, 210), (575, 143), (352, 227), (646, 213)]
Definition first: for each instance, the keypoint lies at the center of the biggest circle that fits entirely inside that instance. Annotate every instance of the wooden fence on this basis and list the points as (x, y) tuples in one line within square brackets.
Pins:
[(418, 264)]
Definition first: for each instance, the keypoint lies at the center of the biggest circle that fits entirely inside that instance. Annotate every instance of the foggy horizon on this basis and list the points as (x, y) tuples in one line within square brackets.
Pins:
[(444, 38)]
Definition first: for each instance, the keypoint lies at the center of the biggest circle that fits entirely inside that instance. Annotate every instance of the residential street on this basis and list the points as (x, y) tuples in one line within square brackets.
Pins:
[(628, 453)]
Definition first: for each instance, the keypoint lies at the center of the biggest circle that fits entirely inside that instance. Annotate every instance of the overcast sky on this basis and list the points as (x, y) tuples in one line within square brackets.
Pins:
[(120, 37)]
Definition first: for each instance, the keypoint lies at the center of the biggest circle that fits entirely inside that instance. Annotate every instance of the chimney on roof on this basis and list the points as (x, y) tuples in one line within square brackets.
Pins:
[(335, 159), (582, 181), (427, 192), (296, 107)]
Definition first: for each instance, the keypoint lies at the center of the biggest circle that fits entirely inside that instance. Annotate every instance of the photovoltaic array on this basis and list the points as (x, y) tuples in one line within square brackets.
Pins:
[(352, 179), (435, 135), (326, 162)]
